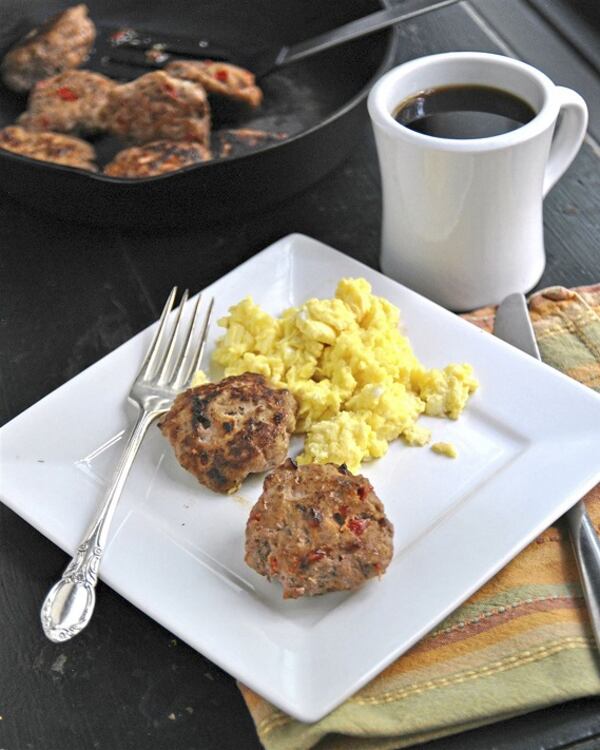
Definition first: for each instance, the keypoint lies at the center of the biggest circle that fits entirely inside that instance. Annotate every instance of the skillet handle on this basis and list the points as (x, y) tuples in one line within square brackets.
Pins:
[(355, 29)]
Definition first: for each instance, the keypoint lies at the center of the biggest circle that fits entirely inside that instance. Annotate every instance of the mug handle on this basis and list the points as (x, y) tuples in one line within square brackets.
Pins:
[(568, 135)]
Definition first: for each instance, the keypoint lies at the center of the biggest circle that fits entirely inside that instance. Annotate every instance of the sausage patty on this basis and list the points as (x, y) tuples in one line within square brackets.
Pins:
[(158, 106), (156, 158), (55, 147), (73, 101), (63, 42), (318, 528), (219, 78), (224, 431)]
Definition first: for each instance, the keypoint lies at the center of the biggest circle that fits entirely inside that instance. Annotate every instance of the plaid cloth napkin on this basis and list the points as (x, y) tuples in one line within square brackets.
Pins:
[(521, 643)]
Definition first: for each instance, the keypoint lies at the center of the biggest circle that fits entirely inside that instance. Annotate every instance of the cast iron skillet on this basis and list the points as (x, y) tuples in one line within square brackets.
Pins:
[(319, 102)]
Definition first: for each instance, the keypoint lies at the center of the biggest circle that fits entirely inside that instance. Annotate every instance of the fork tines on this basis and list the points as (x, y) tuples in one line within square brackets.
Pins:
[(161, 365)]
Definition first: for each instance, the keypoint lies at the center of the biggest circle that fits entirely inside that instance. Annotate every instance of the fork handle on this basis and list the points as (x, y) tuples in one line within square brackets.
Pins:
[(69, 605), (355, 29)]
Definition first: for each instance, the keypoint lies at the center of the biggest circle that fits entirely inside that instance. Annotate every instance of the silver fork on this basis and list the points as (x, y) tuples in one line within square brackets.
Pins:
[(69, 604)]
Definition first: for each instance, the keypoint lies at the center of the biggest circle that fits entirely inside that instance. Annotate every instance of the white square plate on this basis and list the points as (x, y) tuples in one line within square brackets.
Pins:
[(528, 449)]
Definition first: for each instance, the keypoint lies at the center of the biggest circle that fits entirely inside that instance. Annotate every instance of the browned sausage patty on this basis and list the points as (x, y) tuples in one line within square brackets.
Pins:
[(219, 78), (157, 106), (224, 431), (63, 42), (73, 101), (156, 158), (55, 147), (316, 529)]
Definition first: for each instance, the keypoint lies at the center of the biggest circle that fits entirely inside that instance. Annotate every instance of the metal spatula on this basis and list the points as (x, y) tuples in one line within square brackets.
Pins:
[(122, 52)]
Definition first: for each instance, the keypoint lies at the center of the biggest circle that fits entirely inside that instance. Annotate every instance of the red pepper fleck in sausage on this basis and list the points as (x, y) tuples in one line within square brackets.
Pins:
[(67, 94), (357, 525), (314, 555), (170, 91)]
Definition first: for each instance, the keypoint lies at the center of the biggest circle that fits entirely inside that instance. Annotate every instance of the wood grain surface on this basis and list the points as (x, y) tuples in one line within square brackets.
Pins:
[(71, 293)]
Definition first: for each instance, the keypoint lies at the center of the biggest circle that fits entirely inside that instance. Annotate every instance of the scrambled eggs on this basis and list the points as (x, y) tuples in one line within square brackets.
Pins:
[(354, 375), (445, 449)]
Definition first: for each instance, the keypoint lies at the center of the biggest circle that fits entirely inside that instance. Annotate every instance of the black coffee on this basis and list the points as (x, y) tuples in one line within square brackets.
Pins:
[(463, 112)]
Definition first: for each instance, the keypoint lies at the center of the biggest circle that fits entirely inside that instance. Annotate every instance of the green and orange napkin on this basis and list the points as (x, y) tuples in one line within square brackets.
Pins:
[(523, 642)]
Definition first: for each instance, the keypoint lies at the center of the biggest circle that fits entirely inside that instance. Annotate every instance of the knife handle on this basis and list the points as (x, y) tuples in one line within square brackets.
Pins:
[(586, 546)]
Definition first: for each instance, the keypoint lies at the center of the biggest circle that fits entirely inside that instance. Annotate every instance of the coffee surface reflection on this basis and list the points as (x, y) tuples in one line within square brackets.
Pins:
[(464, 111)]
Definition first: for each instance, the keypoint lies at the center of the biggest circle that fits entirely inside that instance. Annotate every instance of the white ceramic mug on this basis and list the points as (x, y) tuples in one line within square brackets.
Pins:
[(462, 218)]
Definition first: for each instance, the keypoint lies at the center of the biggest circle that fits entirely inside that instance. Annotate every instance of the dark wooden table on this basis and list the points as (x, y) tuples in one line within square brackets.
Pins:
[(70, 293)]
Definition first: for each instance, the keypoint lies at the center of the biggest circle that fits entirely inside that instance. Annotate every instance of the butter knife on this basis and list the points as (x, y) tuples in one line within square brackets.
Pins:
[(513, 325)]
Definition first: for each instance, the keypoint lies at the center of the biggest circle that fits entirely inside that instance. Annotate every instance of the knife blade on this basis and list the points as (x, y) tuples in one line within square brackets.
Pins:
[(513, 325)]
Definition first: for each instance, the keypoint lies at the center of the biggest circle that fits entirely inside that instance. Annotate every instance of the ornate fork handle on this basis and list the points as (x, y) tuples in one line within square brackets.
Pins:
[(167, 369), (69, 604)]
